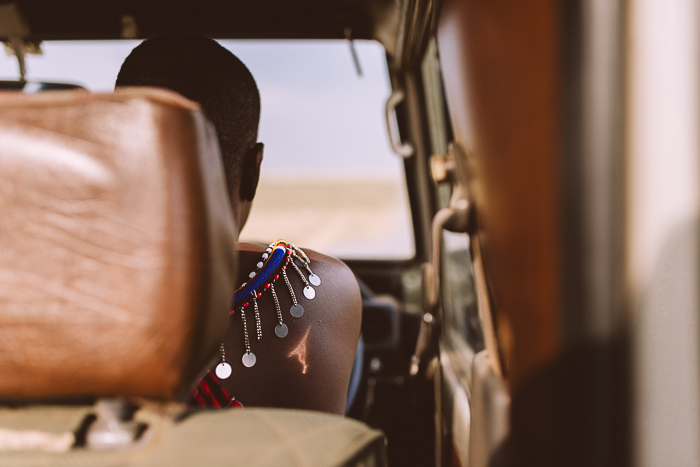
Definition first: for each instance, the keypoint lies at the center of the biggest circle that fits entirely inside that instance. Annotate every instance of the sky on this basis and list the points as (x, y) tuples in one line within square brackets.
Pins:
[(317, 113)]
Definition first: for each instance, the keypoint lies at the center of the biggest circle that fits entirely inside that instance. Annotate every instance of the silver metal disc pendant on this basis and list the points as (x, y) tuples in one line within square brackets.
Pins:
[(296, 310), (315, 280), (281, 330), (248, 359), (309, 292), (223, 370)]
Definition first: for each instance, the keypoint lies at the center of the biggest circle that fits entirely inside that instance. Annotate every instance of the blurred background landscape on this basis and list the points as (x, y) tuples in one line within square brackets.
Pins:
[(329, 179)]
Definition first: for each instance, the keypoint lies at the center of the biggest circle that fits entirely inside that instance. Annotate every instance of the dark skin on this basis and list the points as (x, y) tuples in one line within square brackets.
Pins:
[(310, 367)]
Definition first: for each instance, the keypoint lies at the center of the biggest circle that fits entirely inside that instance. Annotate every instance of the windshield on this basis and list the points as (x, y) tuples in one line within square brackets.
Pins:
[(329, 180)]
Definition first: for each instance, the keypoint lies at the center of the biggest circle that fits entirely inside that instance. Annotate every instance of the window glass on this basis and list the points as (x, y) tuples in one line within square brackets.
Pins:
[(329, 179), (457, 286), (458, 295)]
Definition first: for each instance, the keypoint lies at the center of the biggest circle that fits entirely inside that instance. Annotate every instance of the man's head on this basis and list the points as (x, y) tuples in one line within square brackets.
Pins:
[(205, 72)]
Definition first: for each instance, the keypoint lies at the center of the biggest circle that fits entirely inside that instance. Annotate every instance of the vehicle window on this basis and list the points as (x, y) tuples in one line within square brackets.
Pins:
[(457, 286), (329, 179)]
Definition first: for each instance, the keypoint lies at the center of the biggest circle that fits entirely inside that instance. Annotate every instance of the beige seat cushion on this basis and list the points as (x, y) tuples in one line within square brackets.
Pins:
[(247, 438)]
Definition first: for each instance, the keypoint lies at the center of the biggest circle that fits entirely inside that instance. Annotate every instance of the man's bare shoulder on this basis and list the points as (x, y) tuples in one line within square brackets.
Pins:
[(337, 278), (338, 289), (317, 355)]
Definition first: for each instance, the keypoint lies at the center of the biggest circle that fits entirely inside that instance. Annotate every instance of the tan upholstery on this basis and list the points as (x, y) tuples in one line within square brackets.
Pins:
[(249, 438), (116, 245)]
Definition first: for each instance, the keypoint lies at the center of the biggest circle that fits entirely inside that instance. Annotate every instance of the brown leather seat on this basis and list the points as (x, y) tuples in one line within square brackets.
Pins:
[(116, 269), (117, 245)]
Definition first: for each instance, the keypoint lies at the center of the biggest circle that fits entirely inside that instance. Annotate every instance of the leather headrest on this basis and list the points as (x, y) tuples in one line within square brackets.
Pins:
[(116, 245)]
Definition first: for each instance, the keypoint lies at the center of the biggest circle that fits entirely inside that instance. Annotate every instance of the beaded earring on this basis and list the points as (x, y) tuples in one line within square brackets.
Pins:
[(273, 265)]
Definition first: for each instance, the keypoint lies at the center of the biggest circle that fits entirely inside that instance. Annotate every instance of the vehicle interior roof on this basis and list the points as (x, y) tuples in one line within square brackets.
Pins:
[(225, 19)]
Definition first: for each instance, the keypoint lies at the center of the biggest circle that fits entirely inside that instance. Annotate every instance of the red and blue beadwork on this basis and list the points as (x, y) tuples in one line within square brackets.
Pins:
[(264, 277)]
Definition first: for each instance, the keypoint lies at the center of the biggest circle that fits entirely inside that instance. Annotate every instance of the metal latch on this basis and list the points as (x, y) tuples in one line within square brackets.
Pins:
[(402, 149)]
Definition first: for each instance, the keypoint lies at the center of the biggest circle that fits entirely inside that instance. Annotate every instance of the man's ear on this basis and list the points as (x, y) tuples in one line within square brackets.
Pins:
[(250, 171)]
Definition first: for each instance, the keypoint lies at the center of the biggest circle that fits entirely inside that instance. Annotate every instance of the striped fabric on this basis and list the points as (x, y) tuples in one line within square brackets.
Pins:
[(210, 394)]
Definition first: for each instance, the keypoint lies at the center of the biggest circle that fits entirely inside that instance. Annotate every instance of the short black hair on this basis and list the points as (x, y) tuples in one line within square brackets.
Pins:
[(202, 70)]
